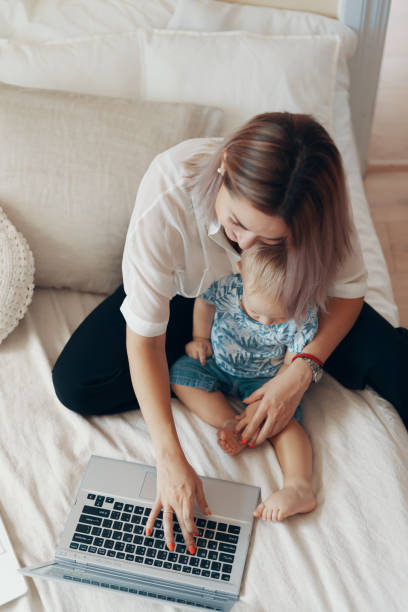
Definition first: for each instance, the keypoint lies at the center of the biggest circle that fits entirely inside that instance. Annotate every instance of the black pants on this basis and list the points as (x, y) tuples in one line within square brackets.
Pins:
[(91, 376)]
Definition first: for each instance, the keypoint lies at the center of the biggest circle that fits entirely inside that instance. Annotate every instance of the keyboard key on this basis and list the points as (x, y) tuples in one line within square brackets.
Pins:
[(73, 545), (211, 525), (91, 495), (228, 548), (92, 549), (136, 519), (215, 566), (106, 533), (224, 558), (120, 555), (83, 547), (138, 510), (212, 545), (96, 511), (151, 552), (107, 523), (225, 577), (139, 559), (209, 534), (140, 550), (83, 528), (159, 544), (109, 500), (109, 543), (127, 537), (227, 569), (119, 546), (128, 527), (176, 567), (202, 553), (234, 529), (144, 520), (115, 515), (98, 541), (194, 561), (179, 537), (148, 541), (180, 548), (162, 554), (99, 500), (201, 522), (186, 569), (158, 563), (82, 538), (111, 553), (204, 563), (90, 520), (148, 561), (212, 554), (226, 537), (183, 559), (125, 517), (147, 511), (129, 508), (117, 524), (138, 539), (118, 506), (167, 565), (101, 551), (222, 527), (215, 575), (172, 557), (201, 543), (138, 529), (196, 571), (130, 557), (205, 573), (117, 535), (96, 531)]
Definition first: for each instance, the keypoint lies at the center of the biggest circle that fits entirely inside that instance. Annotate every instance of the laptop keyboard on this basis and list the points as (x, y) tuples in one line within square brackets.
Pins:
[(111, 528)]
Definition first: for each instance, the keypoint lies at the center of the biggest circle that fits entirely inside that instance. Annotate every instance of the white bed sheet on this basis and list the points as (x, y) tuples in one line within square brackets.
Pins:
[(348, 555)]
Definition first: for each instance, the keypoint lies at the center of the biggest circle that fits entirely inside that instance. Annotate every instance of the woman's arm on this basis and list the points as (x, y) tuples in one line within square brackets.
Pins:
[(282, 394), (178, 486)]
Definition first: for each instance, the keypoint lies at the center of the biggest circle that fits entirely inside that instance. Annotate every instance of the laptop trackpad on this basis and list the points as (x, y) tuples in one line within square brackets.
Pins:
[(224, 498)]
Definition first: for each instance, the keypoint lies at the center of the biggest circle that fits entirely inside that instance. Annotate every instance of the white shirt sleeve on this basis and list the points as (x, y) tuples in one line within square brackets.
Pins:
[(351, 279), (150, 256)]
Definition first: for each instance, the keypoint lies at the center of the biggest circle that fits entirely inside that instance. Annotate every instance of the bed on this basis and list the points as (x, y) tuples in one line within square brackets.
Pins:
[(349, 554)]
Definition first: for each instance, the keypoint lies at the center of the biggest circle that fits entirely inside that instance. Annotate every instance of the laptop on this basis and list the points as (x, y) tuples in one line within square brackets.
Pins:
[(104, 544)]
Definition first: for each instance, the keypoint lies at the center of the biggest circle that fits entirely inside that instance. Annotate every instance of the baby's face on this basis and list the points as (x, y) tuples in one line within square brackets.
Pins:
[(263, 309)]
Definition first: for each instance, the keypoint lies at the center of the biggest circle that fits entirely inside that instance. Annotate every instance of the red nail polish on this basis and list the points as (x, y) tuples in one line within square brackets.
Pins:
[(207, 511), (171, 546), (244, 441), (191, 550), (148, 532), (251, 445), (196, 534)]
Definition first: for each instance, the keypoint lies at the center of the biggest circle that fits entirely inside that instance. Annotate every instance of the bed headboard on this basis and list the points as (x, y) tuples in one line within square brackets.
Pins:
[(369, 19)]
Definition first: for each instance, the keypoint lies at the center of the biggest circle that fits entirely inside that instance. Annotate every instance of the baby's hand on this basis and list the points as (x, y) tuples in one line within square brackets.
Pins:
[(199, 348)]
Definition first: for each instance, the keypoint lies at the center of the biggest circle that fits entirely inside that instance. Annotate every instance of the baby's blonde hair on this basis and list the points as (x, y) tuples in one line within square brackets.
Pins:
[(263, 269)]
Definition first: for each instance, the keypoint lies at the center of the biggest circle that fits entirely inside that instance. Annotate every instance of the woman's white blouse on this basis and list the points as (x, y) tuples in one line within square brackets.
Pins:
[(173, 246)]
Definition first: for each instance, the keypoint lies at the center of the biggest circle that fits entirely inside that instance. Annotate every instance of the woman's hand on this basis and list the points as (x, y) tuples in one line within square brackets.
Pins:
[(199, 348), (178, 487), (276, 402)]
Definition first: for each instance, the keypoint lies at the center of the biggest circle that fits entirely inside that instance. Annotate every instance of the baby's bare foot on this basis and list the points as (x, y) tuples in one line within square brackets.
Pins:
[(229, 439), (292, 499)]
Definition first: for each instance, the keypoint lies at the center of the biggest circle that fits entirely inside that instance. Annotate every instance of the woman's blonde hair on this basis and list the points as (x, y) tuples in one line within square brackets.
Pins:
[(287, 165), (263, 269)]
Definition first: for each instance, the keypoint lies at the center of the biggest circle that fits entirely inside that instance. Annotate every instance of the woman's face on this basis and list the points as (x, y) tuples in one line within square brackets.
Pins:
[(246, 225)]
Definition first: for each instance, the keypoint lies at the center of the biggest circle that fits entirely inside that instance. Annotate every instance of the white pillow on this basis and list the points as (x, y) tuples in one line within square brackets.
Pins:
[(216, 16), (70, 167), (16, 276), (42, 20), (242, 73)]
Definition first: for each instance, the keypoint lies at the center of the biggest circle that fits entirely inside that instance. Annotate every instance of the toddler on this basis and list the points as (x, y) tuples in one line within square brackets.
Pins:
[(241, 339)]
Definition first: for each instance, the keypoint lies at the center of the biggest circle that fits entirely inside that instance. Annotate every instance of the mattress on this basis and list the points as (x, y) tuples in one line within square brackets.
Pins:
[(347, 555)]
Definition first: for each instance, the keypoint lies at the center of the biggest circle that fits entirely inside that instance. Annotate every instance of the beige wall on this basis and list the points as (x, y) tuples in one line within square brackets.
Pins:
[(324, 7)]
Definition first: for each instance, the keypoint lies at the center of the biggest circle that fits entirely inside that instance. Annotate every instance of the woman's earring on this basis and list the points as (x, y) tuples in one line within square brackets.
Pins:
[(221, 170)]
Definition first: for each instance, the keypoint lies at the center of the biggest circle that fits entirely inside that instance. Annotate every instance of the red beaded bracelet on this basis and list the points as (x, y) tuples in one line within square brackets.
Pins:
[(308, 356)]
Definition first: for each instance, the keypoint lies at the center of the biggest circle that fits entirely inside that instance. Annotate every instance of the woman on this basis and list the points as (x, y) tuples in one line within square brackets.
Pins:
[(278, 180)]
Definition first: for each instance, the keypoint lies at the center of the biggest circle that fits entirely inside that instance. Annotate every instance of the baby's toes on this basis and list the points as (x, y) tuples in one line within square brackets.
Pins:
[(258, 510)]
